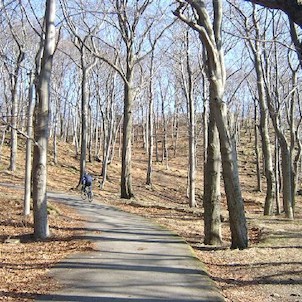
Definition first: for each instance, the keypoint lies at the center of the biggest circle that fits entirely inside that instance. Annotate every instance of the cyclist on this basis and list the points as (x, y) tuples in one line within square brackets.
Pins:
[(87, 184)]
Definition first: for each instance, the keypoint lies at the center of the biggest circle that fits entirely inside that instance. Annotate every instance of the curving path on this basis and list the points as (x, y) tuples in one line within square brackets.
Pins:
[(134, 260)]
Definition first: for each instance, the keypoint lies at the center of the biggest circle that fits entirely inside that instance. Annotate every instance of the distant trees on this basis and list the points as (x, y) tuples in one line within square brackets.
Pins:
[(129, 29), (124, 70), (262, 35), (253, 40), (188, 87), (293, 8), (15, 57)]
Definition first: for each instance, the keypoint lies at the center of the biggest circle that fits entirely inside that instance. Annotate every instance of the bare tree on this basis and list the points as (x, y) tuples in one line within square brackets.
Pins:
[(188, 84), (255, 46), (126, 19), (293, 9), (150, 147), (41, 125), (28, 161), (284, 122), (109, 122), (210, 36)]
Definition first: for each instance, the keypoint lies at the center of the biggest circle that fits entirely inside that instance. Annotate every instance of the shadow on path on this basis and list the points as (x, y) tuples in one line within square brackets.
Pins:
[(134, 260)]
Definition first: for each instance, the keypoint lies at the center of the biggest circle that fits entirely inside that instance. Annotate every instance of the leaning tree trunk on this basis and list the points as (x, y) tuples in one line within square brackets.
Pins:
[(210, 35), (41, 129), (230, 172)]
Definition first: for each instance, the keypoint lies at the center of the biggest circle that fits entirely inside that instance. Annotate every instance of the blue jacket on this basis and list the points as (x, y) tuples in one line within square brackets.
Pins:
[(87, 180)]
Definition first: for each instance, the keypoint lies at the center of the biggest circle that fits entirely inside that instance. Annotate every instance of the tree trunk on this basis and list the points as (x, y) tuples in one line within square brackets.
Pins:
[(176, 129), (14, 112), (277, 173), (84, 125), (28, 160), (264, 131), (287, 177), (230, 176), (150, 125), (117, 127), (210, 36), (259, 183), (55, 145), (2, 140), (297, 159), (211, 199), (84, 112), (41, 130), (165, 155), (126, 176), (286, 164), (191, 129), (156, 137), (108, 141)]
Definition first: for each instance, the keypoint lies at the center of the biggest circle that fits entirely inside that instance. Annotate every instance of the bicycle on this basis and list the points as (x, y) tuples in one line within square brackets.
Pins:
[(86, 192)]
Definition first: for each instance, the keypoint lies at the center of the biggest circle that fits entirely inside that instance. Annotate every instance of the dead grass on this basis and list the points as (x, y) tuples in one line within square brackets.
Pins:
[(269, 270)]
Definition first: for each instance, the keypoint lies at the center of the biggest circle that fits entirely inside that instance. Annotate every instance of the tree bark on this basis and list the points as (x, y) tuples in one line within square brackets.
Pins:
[(264, 117), (150, 125), (109, 119), (210, 36), (28, 160), (14, 111), (85, 68), (211, 199), (41, 129), (259, 183), (126, 174), (191, 128)]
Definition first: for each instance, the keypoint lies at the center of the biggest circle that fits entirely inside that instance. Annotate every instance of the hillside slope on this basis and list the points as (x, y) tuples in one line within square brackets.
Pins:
[(267, 271)]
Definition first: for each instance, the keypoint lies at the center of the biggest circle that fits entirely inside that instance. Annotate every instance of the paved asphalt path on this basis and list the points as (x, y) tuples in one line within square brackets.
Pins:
[(134, 260)]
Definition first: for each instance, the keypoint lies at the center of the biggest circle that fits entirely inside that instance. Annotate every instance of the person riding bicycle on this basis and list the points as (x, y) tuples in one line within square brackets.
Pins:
[(87, 183)]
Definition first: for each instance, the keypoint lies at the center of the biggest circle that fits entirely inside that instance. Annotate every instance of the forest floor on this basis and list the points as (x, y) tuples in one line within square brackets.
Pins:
[(269, 270)]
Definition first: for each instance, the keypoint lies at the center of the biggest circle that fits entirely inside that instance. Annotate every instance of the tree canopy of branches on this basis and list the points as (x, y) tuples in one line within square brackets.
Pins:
[(293, 8)]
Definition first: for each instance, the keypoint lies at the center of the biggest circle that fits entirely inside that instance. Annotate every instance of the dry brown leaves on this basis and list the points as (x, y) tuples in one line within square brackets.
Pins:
[(268, 271), (24, 262)]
